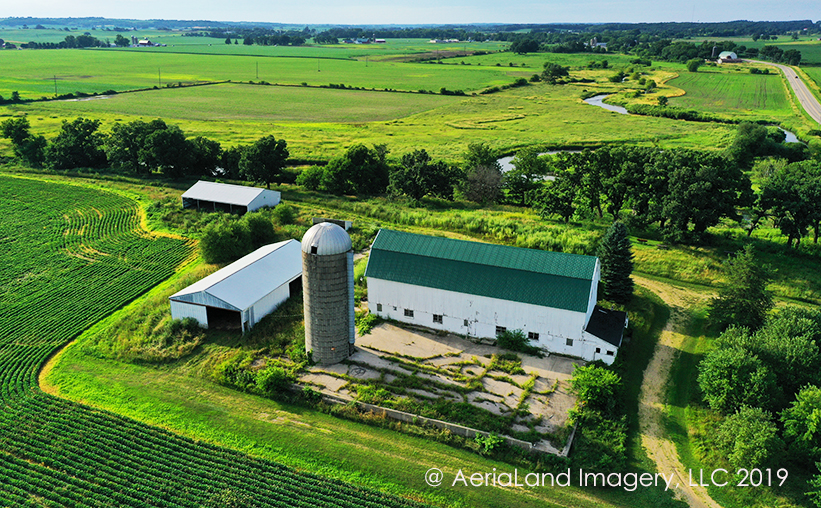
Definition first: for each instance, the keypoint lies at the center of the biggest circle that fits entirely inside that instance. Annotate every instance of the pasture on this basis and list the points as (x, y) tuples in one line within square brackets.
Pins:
[(733, 93), (538, 115)]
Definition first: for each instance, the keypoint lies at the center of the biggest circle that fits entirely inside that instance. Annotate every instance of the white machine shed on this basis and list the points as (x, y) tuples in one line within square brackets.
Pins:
[(227, 197), (245, 291)]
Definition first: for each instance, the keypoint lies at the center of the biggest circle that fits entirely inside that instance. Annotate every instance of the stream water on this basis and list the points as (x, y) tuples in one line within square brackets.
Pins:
[(598, 100)]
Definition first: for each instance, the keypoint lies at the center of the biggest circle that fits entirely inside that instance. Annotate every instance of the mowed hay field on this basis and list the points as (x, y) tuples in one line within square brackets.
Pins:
[(734, 94), (239, 102)]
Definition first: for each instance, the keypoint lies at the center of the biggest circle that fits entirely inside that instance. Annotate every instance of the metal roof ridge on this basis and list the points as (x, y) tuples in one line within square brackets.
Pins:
[(491, 245), (491, 265), (229, 270)]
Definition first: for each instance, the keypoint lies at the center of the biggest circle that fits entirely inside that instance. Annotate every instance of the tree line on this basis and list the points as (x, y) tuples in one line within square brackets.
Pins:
[(762, 377), (143, 148), (683, 192)]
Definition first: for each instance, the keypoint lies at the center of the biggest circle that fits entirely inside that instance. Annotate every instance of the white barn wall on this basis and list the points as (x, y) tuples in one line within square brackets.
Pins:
[(484, 314), (594, 292), (269, 303), (265, 198), (592, 342), (181, 310)]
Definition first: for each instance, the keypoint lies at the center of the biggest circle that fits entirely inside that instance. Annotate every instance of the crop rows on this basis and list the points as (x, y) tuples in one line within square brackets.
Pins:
[(69, 256)]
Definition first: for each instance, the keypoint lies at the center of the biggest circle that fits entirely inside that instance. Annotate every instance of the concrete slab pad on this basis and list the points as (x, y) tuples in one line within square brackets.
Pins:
[(473, 396), (324, 380), (358, 372), (501, 388), (497, 409), (392, 339)]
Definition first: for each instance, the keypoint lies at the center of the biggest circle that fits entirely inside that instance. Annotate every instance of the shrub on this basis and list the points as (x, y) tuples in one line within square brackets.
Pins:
[(597, 387), (284, 214), (367, 322), (224, 241), (516, 340), (489, 443), (273, 380), (311, 178)]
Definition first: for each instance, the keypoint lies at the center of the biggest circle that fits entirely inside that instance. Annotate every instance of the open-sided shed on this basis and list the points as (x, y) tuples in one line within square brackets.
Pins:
[(214, 196), (242, 293)]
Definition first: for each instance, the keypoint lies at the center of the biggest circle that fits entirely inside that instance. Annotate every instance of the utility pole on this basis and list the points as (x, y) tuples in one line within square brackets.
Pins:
[(159, 77), (317, 65), (55, 84), (257, 70)]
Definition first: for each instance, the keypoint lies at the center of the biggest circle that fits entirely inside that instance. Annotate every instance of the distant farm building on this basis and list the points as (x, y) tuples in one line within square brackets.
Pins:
[(213, 196), (241, 294), (728, 57), (481, 290), (344, 224)]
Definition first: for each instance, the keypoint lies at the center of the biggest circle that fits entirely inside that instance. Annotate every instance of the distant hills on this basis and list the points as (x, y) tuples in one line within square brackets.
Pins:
[(729, 28)]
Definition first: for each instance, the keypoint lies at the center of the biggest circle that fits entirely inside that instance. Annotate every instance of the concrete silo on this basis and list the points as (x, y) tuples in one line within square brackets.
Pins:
[(327, 286)]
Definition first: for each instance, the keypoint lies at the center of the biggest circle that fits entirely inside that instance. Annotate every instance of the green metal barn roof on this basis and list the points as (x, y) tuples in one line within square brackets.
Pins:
[(549, 279)]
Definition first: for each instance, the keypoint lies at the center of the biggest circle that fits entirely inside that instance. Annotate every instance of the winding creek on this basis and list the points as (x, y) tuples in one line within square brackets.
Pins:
[(598, 100)]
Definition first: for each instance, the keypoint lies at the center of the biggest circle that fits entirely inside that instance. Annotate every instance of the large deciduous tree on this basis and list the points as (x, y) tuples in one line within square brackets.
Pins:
[(168, 151), (264, 160), (749, 438), (483, 174), (31, 149), (525, 177), (360, 170), (733, 377), (78, 145), (418, 175)]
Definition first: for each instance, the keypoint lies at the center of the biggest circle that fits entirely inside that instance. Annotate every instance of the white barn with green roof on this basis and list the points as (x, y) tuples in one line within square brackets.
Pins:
[(479, 290)]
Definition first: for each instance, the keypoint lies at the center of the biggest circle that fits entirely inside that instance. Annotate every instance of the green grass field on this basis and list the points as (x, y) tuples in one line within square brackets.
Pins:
[(541, 115), (241, 102), (32, 72), (733, 94)]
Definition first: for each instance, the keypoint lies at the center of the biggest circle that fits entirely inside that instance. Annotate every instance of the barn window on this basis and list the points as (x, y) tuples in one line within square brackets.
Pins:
[(466, 322), (378, 307), (609, 353), (408, 313), (437, 318), (598, 350), (500, 330), (569, 342), (313, 249), (532, 336)]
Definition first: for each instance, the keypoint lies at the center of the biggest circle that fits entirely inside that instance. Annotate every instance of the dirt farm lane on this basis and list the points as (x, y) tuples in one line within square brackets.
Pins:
[(658, 446)]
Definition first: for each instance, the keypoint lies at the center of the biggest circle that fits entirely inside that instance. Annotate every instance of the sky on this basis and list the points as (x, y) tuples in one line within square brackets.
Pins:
[(422, 11)]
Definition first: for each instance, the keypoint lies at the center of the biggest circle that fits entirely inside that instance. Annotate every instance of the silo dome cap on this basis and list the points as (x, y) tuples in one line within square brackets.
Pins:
[(326, 238)]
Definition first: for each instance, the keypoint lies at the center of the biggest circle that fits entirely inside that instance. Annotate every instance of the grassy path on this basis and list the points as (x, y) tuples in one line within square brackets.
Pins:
[(652, 406)]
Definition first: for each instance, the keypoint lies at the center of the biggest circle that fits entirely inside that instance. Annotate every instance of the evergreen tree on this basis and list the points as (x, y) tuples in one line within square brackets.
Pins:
[(744, 300), (616, 264)]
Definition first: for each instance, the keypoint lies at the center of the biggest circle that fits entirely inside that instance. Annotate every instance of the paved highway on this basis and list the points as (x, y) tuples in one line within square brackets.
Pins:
[(805, 97)]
